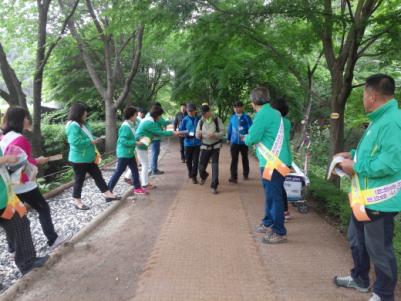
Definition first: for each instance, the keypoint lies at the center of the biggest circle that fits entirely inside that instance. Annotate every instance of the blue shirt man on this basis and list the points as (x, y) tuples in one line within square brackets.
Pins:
[(237, 129), (191, 143)]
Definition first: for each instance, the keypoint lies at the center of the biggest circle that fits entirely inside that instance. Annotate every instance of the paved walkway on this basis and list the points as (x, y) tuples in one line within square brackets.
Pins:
[(183, 243)]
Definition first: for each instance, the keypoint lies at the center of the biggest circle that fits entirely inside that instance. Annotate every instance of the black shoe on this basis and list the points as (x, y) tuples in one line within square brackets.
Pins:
[(38, 262), (234, 181), (246, 178), (182, 160), (157, 172), (195, 181), (214, 191), (203, 181)]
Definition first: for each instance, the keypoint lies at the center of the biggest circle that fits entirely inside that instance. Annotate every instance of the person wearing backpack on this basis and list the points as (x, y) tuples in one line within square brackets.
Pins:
[(210, 130), (236, 131), (192, 144)]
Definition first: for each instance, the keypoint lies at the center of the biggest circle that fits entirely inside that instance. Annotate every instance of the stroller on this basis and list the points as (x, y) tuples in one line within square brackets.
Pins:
[(294, 185)]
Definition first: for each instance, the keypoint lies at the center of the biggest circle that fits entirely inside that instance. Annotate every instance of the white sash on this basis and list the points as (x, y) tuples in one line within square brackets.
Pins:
[(83, 128), (7, 139), (130, 125)]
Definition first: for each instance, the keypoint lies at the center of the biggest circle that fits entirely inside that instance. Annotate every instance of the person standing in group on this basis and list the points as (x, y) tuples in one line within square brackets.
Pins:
[(238, 128), (281, 105), (192, 144), (268, 134), (210, 130), (15, 122), (162, 124), (125, 152), (177, 122), (15, 223), (83, 155), (375, 167), (147, 130)]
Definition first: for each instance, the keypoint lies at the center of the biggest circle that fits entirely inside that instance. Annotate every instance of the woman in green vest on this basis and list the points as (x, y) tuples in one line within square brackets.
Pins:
[(126, 152), (147, 130), (83, 155)]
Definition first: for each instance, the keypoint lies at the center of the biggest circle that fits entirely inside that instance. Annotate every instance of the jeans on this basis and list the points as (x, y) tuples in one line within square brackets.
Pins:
[(122, 164), (235, 150), (373, 241), (205, 156), (19, 235), (155, 155), (144, 160), (192, 160), (274, 204), (80, 170), (36, 200), (182, 148)]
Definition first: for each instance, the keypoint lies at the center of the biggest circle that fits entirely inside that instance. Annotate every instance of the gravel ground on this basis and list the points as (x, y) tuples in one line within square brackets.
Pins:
[(66, 219)]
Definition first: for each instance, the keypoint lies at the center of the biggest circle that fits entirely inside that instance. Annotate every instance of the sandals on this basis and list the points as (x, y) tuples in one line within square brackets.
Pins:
[(116, 198), (82, 207)]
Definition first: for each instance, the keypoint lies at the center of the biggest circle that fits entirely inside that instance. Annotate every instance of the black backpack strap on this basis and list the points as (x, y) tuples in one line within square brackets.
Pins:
[(201, 124), (216, 123)]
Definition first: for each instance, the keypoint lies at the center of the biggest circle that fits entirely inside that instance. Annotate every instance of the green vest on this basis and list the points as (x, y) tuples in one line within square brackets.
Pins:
[(126, 140), (264, 130), (378, 155), (3, 188), (149, 128), (81, 148)]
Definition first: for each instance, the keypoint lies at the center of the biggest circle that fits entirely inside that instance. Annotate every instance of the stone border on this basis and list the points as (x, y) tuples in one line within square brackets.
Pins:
[(29, 279)]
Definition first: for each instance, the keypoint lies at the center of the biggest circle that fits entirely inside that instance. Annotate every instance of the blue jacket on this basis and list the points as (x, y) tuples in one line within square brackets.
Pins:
[(238, 127), (189, 124)]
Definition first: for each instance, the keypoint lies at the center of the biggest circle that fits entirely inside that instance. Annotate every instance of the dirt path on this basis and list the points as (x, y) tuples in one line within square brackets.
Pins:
[(183, 243)]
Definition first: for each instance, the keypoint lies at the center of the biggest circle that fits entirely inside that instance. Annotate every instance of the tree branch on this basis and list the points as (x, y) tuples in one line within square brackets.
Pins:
[(370, 41), (349, 6), (54, 44), (94, 17), (85, 56), (5, 95), (134, 66)]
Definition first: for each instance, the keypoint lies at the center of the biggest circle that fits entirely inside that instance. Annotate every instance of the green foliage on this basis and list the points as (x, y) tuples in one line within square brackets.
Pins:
[(330, 198)]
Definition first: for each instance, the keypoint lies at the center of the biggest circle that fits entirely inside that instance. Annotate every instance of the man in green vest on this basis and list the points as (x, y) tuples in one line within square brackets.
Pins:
[(267, 132), (375, 167)]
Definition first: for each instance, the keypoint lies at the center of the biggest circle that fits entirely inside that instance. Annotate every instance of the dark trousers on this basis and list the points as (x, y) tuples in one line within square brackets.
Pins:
[(274, 204), (236, 149), (80, 170), (285, 200), (36, 200), (122, 164), (182, 148), (373, 241), (192, 160), (205, 156), (19, 235)]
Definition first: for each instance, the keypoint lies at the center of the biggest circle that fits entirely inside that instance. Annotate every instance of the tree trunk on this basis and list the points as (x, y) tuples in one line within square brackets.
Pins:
[(15, 95), (111, 125), (38, 78)]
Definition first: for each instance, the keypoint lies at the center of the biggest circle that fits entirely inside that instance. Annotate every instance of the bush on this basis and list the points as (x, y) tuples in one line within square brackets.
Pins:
[(330, 199)]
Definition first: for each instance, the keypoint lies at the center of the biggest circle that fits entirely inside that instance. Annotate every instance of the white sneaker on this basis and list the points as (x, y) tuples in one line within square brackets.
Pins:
[(375, 298), (61, 239)]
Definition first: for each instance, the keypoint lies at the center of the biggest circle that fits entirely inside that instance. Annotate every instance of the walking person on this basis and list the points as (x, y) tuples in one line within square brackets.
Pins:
[(177, 122), (15, 223), (84, 156), (210, 130), (281, 105), (375, 167), (155, 146), (238, 128), (125, 152), (147, 130), (15, 122), (192, 144), (268, 134)]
